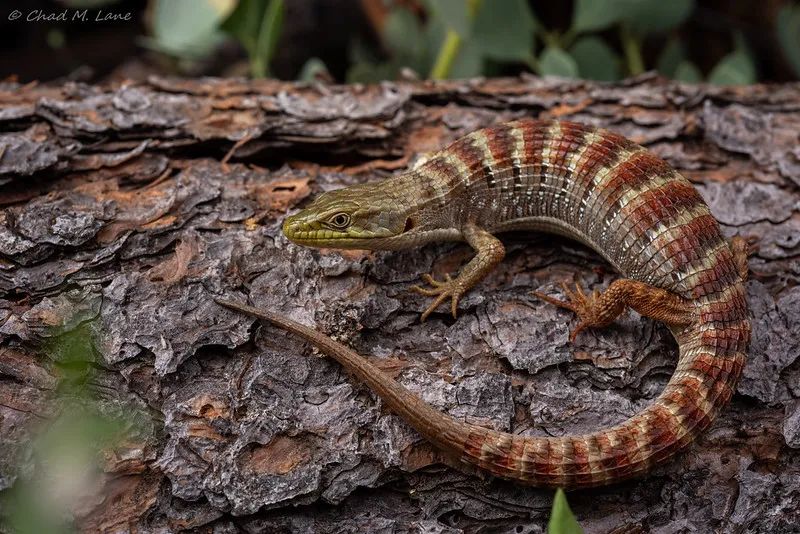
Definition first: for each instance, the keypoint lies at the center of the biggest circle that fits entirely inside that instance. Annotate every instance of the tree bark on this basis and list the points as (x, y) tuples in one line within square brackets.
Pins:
[(126, 208)]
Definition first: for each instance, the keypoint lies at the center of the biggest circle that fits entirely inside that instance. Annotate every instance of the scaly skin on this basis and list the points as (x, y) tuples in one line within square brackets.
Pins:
[(608, 193)]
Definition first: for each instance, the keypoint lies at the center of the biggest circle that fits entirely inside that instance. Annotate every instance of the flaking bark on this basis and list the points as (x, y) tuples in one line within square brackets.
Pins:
[(127, 207)]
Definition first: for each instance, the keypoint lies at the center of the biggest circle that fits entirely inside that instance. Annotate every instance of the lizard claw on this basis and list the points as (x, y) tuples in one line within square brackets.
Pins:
[(442, 290), (578, 302)]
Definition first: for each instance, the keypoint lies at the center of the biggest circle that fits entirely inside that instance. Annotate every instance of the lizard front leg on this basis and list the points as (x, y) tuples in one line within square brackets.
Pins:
[(598, 309), (489, 252)]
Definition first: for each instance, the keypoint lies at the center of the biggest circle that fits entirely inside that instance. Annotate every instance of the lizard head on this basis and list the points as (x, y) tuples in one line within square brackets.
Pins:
[(357, 217)]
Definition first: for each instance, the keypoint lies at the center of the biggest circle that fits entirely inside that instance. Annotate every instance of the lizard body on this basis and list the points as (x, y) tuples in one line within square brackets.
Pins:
[(591, 185)]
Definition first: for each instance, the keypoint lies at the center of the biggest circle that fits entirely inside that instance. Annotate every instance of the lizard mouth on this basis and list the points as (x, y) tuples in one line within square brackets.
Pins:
[(316, 234)]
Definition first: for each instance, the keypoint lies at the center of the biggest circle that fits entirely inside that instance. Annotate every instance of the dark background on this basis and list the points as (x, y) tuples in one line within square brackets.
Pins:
[(327, 29)]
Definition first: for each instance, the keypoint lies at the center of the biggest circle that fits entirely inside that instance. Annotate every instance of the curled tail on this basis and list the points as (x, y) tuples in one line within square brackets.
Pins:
[(712, 354)]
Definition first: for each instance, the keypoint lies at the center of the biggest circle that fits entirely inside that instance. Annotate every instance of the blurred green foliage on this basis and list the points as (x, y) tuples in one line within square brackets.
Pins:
[(507, 31), (788, 30), (59, 470), (187, 29), (464, 38), (190, 29), (460, 39), (257, 26)]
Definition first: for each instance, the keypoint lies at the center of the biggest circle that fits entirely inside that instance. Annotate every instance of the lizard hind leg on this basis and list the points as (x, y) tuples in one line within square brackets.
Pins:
[(598, 309)]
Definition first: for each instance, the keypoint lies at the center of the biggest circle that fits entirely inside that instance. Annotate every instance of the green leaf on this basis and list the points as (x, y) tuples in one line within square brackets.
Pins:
[(562, 521), (595, 59), (590, 15), (556, 62), (311, 69), (468, 63), (257, 26), (403, 36), (671, 56), (368, 72), (188, 27), (788, 30), (453, 13), (504, 30), (737, 68), (55, 38), (654, 16), (643, 16), (686, 71), (243, 23), (267, 39)]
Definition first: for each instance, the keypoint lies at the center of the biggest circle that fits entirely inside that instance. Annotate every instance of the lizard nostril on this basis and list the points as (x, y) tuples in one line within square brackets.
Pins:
[(409, 225)]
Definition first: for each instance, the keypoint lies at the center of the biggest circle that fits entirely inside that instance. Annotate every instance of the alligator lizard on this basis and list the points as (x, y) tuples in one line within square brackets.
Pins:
[(588, 184)]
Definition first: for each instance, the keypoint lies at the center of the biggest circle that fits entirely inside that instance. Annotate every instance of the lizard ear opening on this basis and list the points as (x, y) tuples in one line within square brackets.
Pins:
[(409, 225)]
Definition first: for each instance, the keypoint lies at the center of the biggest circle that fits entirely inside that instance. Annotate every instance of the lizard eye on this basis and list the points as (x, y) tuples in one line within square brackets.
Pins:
[(340, 220)]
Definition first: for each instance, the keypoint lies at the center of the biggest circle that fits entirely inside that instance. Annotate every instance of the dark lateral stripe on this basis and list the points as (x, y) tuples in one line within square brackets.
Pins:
[(490, 179)]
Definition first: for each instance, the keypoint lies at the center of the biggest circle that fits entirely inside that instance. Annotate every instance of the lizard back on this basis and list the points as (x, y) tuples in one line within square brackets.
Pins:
[(589, 184)]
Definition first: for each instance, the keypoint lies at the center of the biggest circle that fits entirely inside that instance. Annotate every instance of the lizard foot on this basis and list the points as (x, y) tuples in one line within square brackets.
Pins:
[(580, 303), (450, 288)]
